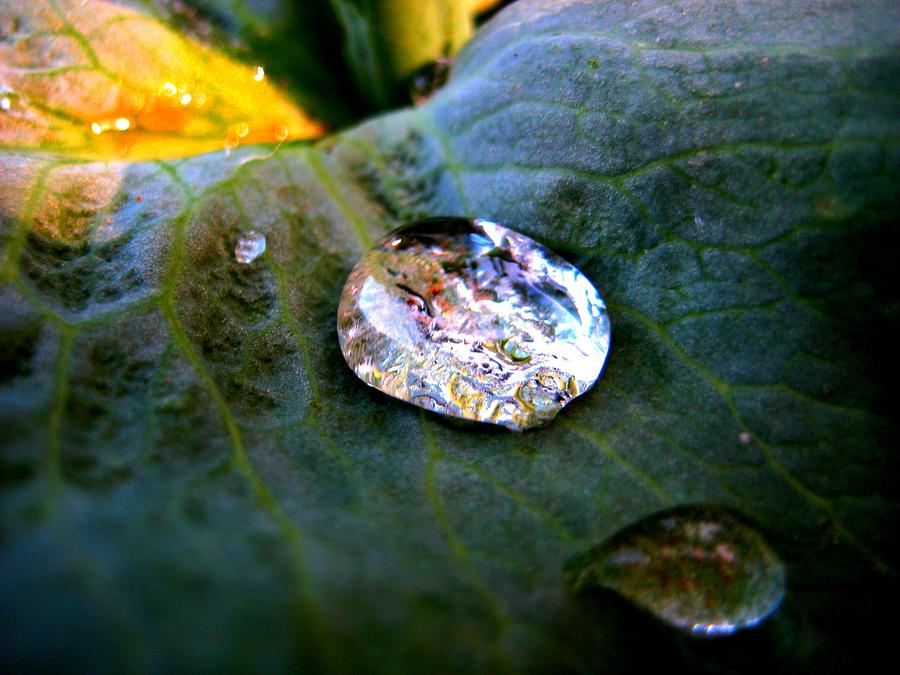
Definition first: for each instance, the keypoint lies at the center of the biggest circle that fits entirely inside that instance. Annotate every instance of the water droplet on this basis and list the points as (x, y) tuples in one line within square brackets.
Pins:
[(260, 74), (122, 124), (250, 245), (10, 102), (473, 320), (428, 80), (185, 99), (698, 568), (169, 89)]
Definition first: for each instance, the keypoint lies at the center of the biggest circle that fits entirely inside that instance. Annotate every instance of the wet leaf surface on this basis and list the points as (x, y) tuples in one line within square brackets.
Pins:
[(192, 478)]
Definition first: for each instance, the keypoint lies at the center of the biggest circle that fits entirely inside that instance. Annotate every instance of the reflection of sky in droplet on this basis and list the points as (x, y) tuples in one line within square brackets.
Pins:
[(249, 247), (698, 568)]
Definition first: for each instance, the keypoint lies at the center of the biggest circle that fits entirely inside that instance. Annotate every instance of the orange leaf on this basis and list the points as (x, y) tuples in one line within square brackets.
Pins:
[(96, 80)]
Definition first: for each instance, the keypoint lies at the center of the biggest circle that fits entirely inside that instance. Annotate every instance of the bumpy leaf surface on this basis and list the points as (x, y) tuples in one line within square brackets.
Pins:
[(192, 479)]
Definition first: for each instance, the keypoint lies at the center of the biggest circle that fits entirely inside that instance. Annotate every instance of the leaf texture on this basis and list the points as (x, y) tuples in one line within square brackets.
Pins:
[(103, 81), (192, 479)]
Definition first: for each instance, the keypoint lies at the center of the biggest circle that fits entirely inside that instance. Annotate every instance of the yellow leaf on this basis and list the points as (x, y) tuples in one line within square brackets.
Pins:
[(97, 80)]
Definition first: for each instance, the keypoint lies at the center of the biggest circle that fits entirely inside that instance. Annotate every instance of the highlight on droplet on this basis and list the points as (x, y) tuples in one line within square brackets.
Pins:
[(250, 245), (119, 124), (260, 74), (5, 103)]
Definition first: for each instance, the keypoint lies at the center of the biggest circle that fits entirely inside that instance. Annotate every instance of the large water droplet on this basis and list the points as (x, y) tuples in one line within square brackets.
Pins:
[(250, 245), (698, 568), (471, 319)]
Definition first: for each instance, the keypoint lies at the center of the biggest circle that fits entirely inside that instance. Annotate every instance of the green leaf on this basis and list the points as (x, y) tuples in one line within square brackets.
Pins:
[(192, 479)]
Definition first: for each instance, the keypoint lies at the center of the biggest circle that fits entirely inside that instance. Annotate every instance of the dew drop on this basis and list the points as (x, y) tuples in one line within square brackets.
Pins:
[(259, 74), (250, 245), (473, 320), (10, 102), (699, 568), (428, 80)]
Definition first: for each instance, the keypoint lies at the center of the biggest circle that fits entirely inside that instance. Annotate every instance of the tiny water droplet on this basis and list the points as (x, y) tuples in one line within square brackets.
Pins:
[(260, 74), (473, 320), (250, 245), (10, 102), (428, 80), (699, 568), (745, 437), (698, 220)]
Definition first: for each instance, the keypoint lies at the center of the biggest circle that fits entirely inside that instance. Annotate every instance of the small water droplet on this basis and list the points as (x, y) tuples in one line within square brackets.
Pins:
[(745, 437), (428, 80), (250, 245), (185, 99), (122, 124), (699, 568), (513, 348), (10, 102), (260, 74), (473, 320), (698, 220), (169, 89)]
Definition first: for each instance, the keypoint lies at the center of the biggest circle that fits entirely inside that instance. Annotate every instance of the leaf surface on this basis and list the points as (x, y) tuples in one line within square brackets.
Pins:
[(192, 478), (104, 81)]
